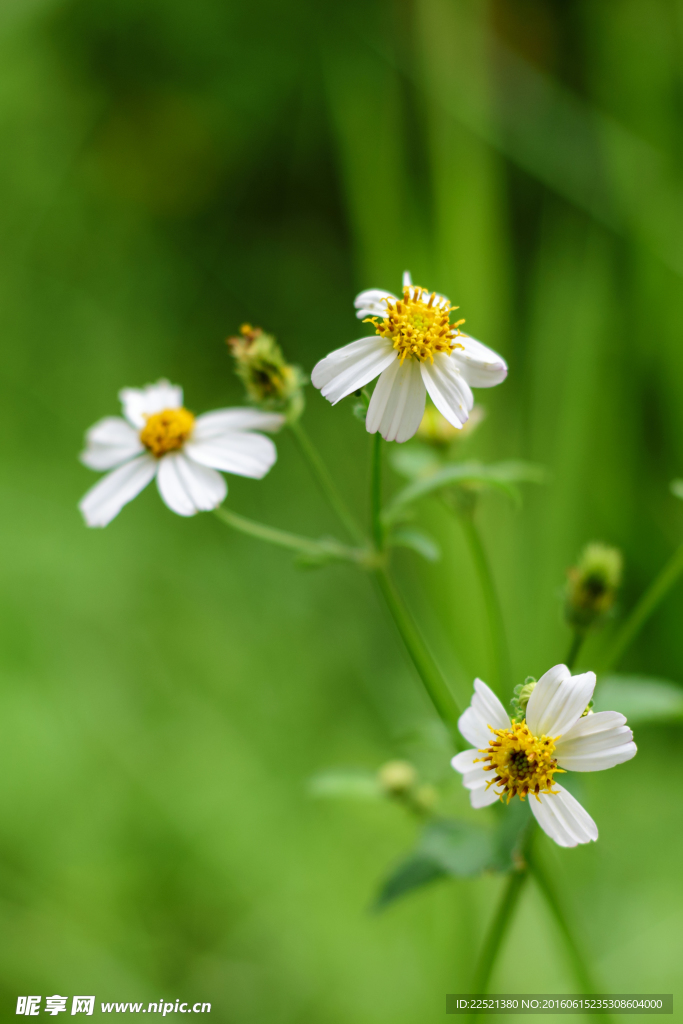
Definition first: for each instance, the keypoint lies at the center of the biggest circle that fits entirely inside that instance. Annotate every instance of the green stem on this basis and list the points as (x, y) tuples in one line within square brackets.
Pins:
[(376, 492), (325, 482), (493, 609), (583, 975), (427, 669), (575, 647), (657, 590), (497, 930), (325, 549)]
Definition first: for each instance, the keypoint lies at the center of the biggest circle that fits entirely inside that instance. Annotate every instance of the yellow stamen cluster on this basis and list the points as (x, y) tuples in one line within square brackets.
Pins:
[(417, 326), (523, 763), (167, 431)]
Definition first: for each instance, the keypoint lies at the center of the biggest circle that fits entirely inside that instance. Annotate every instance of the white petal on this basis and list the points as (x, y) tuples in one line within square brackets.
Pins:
[(352, 367), (211, 423), (464, 761), (483, 797), (596, 742), (238, 452), (398, 402), (369, 303), (448, 389), (474, 728), (475, 778), (484, 710), (480, 366), (563, 818), (140, 402), (187, 487), (407, 279), (558, 700), (110, 442), (489, 707), (105, 500)]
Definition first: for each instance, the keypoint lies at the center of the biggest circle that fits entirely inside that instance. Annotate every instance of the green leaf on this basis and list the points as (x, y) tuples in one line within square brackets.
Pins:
[(418, 540), (461, 848), (446, 848), (676, 487), (415, 460), (340, 784), (502, 476), (413, 873), (640, 698)]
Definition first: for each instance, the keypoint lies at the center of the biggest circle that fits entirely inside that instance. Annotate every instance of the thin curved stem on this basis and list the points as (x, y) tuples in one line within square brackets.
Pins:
[(493, 610), (427, 669), (325, 481), (504, 914), (325, 549), (655, 593), (498, 930), (583, 975), (575, 647)]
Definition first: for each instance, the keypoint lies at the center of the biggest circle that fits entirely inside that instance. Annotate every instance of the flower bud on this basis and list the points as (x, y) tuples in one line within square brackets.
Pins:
[(592, 585), (521, 698), (271, 383), (397, 778), (436, 430)]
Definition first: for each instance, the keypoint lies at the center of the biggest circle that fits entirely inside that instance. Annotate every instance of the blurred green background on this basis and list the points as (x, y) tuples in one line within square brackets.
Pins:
[(170, 170)]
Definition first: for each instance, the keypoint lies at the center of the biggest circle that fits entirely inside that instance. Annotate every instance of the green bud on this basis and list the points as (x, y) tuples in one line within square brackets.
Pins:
[(397, 778), (271, 382), (592, 585), (521, 698), (361, 405)]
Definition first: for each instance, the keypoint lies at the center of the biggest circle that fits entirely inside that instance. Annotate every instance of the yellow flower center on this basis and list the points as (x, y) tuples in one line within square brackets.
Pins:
[(167, 431), (417, 326), (523, 763)]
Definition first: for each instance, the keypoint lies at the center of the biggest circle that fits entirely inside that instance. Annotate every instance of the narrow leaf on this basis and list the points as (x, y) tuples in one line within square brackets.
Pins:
[(413, 873), (502, 475), (418, 540), (415, 460), (461, 848), (446, 848)]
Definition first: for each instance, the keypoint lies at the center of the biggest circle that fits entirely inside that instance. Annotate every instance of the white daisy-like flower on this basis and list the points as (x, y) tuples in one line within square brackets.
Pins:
[(520, 758), (415, 349), (160, 438)]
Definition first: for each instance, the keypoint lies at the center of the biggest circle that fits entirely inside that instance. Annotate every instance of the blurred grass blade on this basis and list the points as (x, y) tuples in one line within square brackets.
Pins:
[(621, 180), (643, 700), (364, 97)]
